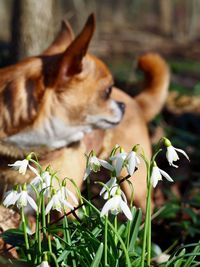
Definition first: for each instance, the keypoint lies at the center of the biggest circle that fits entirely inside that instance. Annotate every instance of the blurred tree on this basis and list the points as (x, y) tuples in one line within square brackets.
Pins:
[(33, 26)]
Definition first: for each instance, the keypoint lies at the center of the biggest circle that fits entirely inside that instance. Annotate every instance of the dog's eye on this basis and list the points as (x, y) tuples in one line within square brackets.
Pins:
[(107, 92)]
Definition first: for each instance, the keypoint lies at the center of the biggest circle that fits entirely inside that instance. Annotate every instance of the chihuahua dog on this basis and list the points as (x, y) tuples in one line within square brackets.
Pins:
[(63, 103)]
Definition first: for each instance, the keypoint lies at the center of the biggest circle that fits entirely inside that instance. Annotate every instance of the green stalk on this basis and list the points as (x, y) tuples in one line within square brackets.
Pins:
[(43, 216), (147, 224), (88, 192), (115, 222), (25, 234), (106, 241), (49, 235), (54, 258), (67, 238), (38, 239)]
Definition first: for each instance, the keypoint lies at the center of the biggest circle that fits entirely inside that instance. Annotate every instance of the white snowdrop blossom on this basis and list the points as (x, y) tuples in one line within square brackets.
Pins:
[(66, 193), (132, 162), (57, 202), (118, 162), (22, 165), (129, 160), (172, 154), (111, 185), (42, 181), (23, 199), (157, 174), (94, 164), (43, 264), (116, 204), (11, 197)]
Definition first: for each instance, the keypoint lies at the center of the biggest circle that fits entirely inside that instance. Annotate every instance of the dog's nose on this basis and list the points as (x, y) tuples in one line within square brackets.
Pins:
[(122, 106)]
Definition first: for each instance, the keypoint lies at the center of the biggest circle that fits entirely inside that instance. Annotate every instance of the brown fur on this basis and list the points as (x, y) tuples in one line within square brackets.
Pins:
[(66, 83)]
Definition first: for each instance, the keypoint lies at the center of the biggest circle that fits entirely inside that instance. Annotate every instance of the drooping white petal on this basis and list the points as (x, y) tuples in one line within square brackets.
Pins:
[(71, 195), (155, 176), (49, 206), (166, 175), (32, 202), (131, 165), (67, 204), (182, 152), (118, 165), (10, 198), (34, 170), (124, 207), (46, 178), (87, 173), (106, 165), (109, 184)]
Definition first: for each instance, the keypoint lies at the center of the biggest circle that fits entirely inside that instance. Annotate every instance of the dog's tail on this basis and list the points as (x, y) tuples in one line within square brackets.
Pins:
[(157, 78)]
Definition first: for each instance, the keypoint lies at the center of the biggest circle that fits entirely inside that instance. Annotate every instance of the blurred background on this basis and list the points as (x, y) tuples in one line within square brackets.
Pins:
[(126, 29)]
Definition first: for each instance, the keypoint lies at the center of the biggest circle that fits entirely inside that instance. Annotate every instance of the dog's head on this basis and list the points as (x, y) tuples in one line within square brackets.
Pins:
[(77, 93)]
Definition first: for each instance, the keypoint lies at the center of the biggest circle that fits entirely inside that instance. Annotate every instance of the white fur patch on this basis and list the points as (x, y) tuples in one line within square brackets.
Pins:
[(53, 134)]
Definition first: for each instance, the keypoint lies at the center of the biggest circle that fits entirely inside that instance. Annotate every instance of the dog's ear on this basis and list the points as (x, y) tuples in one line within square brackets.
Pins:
[(71, 62), (62, 40)]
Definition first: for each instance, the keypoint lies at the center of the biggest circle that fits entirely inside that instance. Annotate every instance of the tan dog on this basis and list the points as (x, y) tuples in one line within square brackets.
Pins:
[(49, 103)]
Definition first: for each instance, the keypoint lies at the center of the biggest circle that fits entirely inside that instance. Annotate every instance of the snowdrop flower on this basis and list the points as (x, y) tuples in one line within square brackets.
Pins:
[(118, 162), (11, 197), (157, 174), (23, 199), (171, 153), (66, 193), (116, 204), (132, 162), (111, 185), (22, 165), (42, 181), (57, 203), (94, 164)]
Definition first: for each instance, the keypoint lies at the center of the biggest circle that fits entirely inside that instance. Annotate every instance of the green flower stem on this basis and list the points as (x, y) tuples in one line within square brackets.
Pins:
[(51, 254), (25, 234), (147, 224), (106, 241), (43, 215), (38, 239), (88, 192), (49, 236), (115, 223), (67, 238)]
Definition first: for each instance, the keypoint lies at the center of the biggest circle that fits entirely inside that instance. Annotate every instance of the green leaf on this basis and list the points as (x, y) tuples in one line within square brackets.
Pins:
[(179, 261), (135, 225), (97, 259)]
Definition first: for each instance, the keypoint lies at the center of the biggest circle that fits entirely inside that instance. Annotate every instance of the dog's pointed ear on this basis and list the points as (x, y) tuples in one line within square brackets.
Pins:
[(71, 62), (62, 40)]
